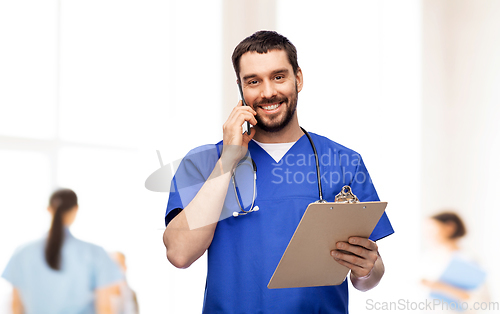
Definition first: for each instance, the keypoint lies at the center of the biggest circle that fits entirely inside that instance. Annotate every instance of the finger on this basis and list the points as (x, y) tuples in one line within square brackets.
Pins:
[(350, 258), (351, 252), (248, 137), (240, 105), (353, 249), (359, 266), (248, 116), (235, 122), (357, 256), (238, 117), (247, 108), (357, 270), (238, 110), (364, 242)]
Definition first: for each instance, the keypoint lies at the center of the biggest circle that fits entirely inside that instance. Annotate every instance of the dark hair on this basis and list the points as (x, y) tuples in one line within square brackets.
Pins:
[(61, 201), (450, 217), (262, 42)]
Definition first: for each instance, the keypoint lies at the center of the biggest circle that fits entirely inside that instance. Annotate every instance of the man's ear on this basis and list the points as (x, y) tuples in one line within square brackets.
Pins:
[(299, 79)]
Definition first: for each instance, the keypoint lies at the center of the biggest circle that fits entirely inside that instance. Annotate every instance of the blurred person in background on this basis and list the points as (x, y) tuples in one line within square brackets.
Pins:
[(124, 298), (59, 273), (452, 275)]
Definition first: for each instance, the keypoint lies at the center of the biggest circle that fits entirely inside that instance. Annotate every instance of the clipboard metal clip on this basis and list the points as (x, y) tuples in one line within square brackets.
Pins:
[(346, 196)]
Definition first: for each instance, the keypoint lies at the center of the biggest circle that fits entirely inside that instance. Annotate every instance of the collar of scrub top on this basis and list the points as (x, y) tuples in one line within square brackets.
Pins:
[(256, 208)]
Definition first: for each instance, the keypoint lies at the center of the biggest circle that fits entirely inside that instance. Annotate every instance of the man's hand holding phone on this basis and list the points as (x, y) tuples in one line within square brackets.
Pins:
[(235, 141)]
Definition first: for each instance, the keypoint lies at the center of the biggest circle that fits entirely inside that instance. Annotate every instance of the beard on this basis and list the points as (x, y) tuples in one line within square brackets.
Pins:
[(276, 124)]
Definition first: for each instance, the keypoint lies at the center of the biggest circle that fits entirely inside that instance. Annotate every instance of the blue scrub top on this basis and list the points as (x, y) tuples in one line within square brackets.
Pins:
[(246, 250), (84, 268)]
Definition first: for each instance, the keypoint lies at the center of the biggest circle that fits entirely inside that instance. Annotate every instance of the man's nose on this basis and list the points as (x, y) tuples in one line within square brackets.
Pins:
[(268, 90)]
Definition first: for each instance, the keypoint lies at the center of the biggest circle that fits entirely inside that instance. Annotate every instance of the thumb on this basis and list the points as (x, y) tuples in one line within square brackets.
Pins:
[(247, 138)]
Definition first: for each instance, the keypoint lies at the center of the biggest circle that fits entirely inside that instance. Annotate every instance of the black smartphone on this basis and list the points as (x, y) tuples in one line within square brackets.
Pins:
[(244, 104)]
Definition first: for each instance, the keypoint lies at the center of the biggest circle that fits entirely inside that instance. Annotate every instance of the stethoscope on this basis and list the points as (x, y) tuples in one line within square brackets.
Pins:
[(256, 208)]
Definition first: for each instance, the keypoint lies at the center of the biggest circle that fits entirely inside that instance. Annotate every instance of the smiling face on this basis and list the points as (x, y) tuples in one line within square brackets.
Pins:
[(270, 87)]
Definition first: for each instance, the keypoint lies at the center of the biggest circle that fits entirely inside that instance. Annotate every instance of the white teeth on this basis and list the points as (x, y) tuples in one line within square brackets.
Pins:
[(271, 107)]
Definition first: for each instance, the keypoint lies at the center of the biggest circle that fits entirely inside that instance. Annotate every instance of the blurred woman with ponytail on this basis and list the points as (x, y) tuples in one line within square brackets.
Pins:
[(59, 273)]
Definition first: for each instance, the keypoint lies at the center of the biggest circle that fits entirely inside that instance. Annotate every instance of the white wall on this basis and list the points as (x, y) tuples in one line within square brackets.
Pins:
[(461, 110), (92, 89), (89, 91)]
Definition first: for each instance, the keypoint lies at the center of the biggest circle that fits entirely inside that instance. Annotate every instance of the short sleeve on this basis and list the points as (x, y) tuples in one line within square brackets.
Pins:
[(106, 271), (193, 171), (364, 189), (12, 272)]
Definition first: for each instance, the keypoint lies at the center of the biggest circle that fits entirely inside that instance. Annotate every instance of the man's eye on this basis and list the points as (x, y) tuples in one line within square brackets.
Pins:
[(253, 82), (279, 77)]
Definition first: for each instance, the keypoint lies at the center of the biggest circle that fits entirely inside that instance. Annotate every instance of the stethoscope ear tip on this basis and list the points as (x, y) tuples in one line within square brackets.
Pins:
[(256, 208), (235, 214)]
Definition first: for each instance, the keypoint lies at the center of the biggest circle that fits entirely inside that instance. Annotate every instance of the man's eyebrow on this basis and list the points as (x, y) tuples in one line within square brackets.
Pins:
[(249, 76), (284, 71)]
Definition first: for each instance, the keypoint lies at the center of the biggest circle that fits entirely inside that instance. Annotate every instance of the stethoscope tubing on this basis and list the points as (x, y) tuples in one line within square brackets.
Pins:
[(321, 200), (256, 208)]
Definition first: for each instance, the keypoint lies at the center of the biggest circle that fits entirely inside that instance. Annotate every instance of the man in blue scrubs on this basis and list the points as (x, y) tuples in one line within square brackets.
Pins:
[(244, 251)]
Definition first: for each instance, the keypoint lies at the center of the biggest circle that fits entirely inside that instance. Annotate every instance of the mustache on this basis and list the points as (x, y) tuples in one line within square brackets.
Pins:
[(273, 100)]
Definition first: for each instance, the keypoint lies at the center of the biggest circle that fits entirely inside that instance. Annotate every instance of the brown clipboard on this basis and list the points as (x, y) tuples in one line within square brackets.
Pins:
[(307, 261)]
